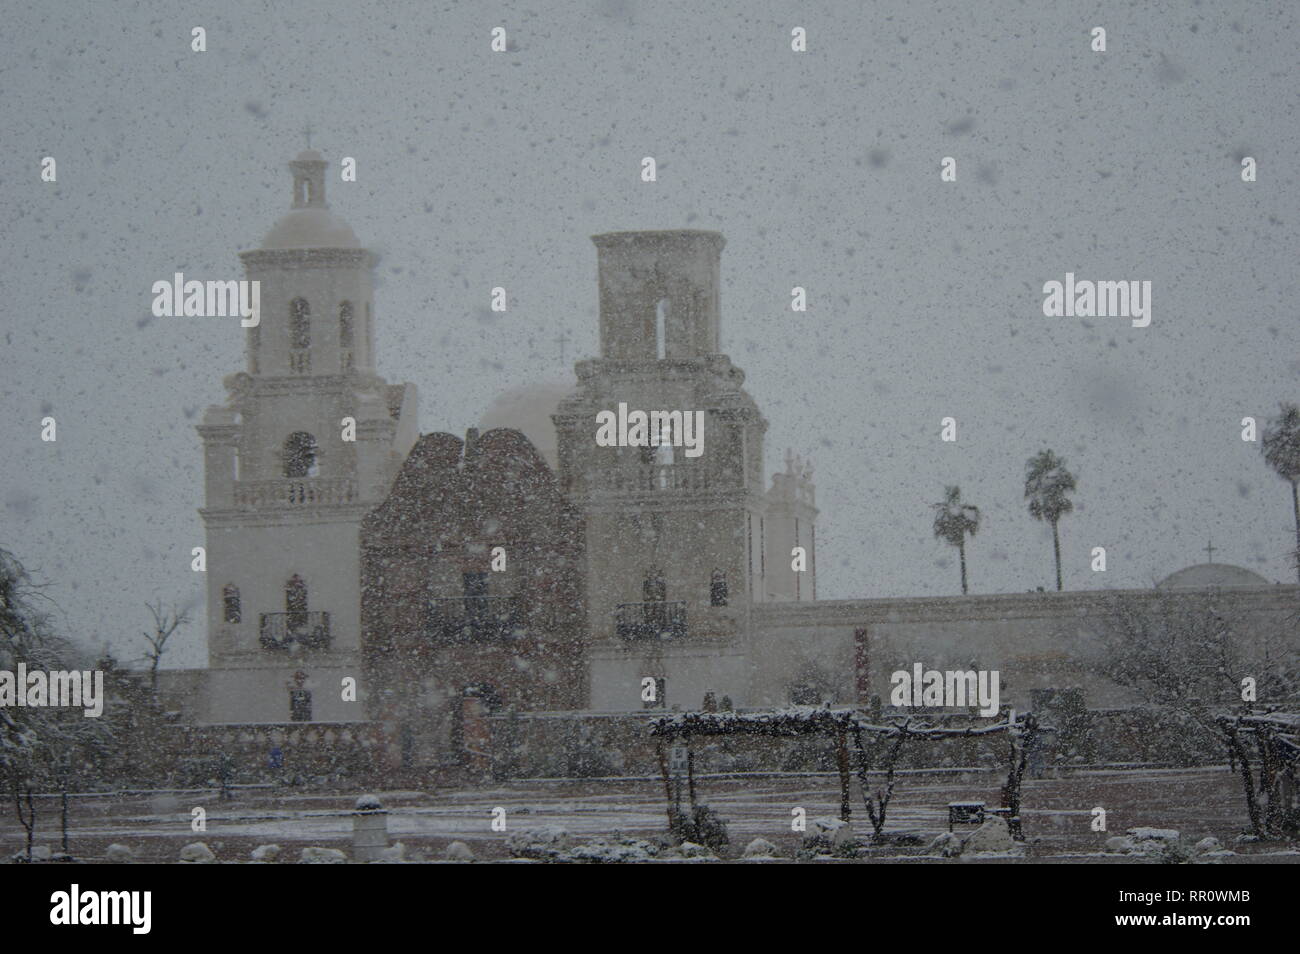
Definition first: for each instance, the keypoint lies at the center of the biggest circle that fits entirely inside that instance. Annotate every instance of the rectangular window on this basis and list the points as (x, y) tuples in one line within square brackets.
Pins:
[(299, 705), (230, 599), (476, 588), (718, 589)]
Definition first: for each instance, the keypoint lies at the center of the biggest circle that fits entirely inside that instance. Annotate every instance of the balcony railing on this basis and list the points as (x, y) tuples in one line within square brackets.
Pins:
[(282, 631), (657, 478), (295, 492), (654, 620), (474, 619)]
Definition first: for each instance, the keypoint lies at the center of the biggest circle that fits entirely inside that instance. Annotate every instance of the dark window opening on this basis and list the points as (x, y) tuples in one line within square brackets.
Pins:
[(718, 589), (295, 602), (299, 455), (345, 325), (300, 323), (299, 705), (230, 601), (654, 590)]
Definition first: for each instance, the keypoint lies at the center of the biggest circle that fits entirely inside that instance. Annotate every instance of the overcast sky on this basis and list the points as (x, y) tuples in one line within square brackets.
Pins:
[(821, 169)]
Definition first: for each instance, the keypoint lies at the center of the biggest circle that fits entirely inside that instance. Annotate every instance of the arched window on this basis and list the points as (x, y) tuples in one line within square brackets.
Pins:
[(299, 705), (653, 590), (295, 602), (718, 589), (345, 336), (345, 325), (661, 328), (299, 323), (664, 452), (230, 603), (300, 455)]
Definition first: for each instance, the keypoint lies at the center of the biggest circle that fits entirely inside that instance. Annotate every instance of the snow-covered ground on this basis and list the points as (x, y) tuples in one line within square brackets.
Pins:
[(1057, 814)]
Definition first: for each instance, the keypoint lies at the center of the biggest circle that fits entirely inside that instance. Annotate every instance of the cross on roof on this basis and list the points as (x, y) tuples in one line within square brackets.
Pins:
[(1209, 551), (307, 132), (564, 336)]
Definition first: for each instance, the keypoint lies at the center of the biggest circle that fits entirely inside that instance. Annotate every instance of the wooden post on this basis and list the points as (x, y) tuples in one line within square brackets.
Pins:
[(842, 759), (690, 773), (1020, 742), (668, 788)]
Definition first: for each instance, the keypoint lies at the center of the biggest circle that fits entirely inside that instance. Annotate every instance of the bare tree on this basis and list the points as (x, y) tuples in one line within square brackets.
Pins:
[(884, 750), (164, 625), (1270, 800), (1281, 448), (36, 740), (1188, 653)]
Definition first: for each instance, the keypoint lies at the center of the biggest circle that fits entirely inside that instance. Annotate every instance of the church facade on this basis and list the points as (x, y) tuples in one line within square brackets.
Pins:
[(529, 567)]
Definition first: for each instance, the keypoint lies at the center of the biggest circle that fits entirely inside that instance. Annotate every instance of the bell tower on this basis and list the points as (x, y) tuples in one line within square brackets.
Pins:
[(674, 542), (309, 440)]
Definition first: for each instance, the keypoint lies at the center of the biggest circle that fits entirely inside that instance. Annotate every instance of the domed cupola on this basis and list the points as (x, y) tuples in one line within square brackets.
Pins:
[(310, 224)]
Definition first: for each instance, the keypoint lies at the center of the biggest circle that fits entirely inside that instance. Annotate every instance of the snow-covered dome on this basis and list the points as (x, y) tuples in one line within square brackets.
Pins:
[(1211, 574), (528, 408), (312, 227)]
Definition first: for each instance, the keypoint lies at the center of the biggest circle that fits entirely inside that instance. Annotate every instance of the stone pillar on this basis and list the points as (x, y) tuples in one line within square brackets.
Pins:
[(369, 829), (220, 436)]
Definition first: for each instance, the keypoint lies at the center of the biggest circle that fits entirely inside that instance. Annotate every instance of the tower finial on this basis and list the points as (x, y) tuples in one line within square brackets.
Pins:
[(307, 132)]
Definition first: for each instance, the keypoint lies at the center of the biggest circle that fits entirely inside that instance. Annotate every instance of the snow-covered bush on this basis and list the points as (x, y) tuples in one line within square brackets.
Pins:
[(601, 851), (458, 851), (761, 848), (703, 826), (545, 843)]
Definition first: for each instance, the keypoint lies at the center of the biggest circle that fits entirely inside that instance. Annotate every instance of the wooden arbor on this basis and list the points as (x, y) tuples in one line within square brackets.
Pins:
[(1273, 791), (877, 748)]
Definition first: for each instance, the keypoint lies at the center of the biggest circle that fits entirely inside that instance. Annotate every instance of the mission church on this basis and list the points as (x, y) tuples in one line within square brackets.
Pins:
[(523, 566)]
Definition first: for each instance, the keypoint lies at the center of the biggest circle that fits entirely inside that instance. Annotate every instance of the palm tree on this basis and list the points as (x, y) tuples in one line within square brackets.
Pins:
[(1281, 449), (1046, 484), (953, 520)]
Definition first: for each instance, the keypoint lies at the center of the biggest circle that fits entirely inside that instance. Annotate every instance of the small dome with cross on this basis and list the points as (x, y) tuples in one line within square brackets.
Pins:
[(1211, 574), (310, 224)]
